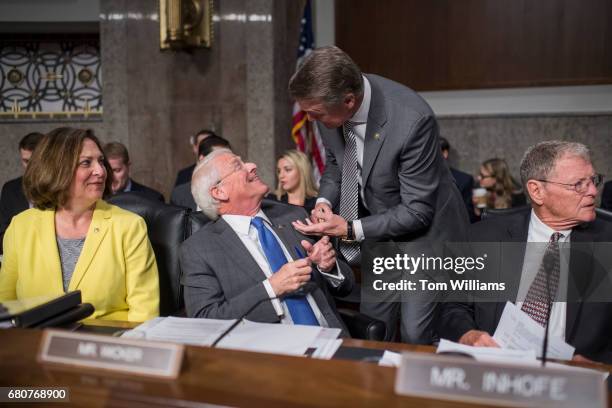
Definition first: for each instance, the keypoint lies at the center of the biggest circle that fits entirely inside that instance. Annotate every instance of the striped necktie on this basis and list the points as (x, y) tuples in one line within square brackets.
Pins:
[(542, 292), (299, 308), (349, 190)]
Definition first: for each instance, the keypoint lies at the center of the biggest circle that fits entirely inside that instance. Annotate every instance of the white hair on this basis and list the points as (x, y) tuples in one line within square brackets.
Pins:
[(540, 159), (205, 176)]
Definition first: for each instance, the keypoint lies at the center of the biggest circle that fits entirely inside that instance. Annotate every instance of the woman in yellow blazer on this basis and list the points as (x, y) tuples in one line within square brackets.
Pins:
[(73, 240)]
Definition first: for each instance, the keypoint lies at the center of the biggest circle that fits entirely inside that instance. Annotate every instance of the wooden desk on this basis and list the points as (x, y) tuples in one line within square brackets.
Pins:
[(215, 376)]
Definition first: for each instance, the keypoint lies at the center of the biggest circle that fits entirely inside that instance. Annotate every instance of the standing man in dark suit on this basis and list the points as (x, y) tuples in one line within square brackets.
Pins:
[(12, 199), (385, 178), (464, 181), (562, 185), (250, 254), (117, 155), (184, 175)]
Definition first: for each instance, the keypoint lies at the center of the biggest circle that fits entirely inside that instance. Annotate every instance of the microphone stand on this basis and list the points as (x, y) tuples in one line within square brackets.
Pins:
[(238, 321), (548, 263), (303, 291)]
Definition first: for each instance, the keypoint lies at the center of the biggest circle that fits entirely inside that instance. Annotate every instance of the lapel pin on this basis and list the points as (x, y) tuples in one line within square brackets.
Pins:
[(376, 136), (96, 229)]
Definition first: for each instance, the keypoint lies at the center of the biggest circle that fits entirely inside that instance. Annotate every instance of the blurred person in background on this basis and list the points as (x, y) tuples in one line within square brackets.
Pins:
[(296, 183), (464, 181), (181, 194), (184, 175), (13, 200), (119, 159), (73, 240), (502, 191)]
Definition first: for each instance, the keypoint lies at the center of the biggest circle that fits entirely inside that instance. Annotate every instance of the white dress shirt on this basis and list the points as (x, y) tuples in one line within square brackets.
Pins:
[(241, 224), (128, 185), (540, 233), (360, 120)]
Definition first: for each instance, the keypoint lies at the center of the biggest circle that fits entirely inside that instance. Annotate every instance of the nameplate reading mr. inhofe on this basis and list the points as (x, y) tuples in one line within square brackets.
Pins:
[(460, 379)]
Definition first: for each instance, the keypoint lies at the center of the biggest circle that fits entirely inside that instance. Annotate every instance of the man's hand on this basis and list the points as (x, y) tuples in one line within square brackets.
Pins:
[(328, 224), (321, 212), (579, 358), (478, 338), (290, 277), (321, 253)]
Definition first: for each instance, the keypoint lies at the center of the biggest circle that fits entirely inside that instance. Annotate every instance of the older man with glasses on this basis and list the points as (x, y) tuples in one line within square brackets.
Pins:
[(251, 259), (562, 283)]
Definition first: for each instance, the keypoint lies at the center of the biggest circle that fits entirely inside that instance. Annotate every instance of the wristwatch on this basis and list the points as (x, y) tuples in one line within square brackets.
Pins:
[(350, 232)]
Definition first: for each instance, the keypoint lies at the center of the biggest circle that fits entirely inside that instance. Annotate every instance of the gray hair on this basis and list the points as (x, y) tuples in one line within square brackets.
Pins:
[(540, 159), (205, 176), (326, 75)]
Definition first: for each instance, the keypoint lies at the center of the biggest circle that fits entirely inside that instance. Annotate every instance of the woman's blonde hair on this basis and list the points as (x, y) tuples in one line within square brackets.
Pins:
[(504, 184), (301, 162), (47, 179)]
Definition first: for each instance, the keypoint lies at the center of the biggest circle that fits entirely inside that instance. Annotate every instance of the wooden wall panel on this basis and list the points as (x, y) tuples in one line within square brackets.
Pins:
[(470, 44)]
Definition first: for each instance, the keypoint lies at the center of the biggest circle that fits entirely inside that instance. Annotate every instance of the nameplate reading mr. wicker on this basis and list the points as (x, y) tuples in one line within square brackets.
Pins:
[(110, 353), (460, 379)]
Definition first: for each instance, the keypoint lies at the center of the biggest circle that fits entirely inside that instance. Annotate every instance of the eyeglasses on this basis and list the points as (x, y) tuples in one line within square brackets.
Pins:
[(484, 176), (238, 166), (582, 185)]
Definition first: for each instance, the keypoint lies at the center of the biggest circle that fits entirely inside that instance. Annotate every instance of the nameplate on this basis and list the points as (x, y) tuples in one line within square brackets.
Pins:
[(111, 353), (460, 379)]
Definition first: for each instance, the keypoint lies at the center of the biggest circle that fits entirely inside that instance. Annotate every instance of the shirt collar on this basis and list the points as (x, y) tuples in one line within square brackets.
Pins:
[(361, 116), (242, 223), (128, 186), (540, 232)]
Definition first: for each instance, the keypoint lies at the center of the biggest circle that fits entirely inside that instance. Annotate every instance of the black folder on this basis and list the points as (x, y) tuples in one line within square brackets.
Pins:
[(31, 317)]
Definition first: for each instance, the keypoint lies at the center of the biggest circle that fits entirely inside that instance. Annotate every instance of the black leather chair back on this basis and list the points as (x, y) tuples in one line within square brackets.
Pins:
[(197, 220), (603, 214), (168, 226), (494, 212)]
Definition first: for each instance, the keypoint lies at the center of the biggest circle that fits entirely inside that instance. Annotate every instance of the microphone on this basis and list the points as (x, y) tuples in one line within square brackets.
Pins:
[(302, 291), (548, 263)]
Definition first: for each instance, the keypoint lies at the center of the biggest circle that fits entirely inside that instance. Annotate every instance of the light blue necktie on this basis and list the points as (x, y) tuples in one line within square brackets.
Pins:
[(299, 308)]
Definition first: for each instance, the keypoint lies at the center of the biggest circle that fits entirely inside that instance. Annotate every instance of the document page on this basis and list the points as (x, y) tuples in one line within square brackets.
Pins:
[(199, 332), (516, 330), (271, 338), (326, 344), (248, 336), (491, 354)]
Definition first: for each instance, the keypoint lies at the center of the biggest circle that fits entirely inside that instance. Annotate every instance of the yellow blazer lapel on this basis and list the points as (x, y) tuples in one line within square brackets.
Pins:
[(50, 254), (97, 231)]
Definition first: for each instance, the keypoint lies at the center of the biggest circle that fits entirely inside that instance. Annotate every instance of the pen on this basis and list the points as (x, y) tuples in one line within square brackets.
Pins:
[(299, 252)]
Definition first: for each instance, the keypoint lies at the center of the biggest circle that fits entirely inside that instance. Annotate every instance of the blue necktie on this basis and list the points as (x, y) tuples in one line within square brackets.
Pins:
[(298, 306)]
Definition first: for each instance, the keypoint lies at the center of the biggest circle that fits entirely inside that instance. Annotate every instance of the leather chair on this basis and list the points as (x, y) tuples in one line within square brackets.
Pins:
[(167, 226), (603, 214), (497, 212), (492, 213)]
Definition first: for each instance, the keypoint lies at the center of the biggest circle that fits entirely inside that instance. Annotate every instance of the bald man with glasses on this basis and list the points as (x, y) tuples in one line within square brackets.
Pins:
[(565, 280), (251, 257)]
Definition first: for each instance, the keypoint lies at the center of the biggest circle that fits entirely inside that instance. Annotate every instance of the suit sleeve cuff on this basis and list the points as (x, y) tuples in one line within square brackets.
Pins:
[(358, 230), (275, 302), (335, 279)]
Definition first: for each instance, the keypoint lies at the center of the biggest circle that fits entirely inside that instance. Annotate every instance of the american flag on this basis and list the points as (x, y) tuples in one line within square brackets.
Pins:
[(306, 136)]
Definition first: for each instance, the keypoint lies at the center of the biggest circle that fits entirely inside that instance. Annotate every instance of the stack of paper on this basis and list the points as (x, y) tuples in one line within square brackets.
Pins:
[(516, 330), (505, 356), (490, 354), (249, 336)]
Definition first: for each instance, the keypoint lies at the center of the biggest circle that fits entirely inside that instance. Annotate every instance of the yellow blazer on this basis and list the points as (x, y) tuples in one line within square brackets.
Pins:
[(116, 271)]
